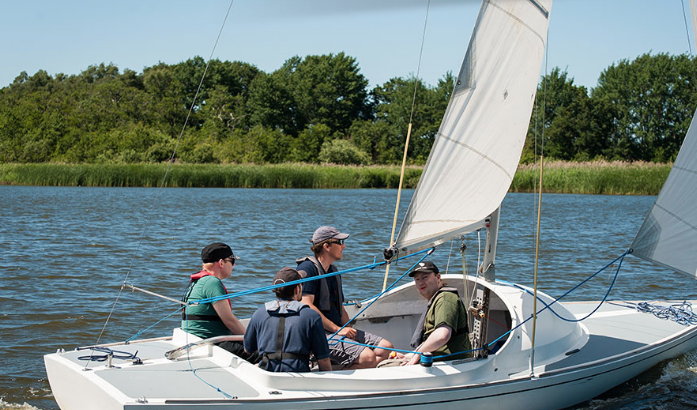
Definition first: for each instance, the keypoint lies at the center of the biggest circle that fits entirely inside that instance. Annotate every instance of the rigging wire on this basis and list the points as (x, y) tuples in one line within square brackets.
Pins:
[(164, 178), (406, 143), (687, 28), (539, 204)]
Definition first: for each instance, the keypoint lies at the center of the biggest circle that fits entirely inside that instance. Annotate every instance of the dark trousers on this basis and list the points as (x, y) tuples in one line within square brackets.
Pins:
[(238, 349)]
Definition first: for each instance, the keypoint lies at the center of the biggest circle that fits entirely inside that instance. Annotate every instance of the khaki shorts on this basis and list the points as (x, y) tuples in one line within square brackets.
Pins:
[(344, 354)]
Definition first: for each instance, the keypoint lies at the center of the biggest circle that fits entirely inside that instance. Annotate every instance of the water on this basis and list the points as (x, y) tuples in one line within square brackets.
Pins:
[(67, 251)]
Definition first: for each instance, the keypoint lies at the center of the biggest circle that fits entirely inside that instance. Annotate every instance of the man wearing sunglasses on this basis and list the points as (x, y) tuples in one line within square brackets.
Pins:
[(213, 319), (326, 297)]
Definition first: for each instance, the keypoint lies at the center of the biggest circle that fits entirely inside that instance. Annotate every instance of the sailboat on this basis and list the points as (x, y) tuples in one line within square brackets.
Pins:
[(549, 359)]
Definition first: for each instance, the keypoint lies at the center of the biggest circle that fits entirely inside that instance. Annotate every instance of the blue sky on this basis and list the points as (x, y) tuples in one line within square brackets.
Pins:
[(66, 36)]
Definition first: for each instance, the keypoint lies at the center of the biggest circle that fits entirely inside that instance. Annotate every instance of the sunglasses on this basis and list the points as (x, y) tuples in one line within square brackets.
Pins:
[(337, 241), (231, 260)]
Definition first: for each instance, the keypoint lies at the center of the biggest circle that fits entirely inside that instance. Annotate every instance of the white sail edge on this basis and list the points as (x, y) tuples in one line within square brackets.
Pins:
[(478, 146), (668, 235)]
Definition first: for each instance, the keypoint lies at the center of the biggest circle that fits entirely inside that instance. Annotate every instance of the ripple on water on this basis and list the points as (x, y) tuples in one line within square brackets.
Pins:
[(36, 391), (671, 385)]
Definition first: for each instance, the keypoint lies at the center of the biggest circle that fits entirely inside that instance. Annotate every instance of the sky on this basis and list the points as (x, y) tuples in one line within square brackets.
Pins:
[(385, 36)]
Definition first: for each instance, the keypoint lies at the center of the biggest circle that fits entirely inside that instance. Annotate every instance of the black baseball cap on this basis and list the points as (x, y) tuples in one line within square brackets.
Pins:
[(215, 252), (425, 267)]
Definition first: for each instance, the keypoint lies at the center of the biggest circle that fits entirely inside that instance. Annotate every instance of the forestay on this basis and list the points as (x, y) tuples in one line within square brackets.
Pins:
[(478, 146), (668, 235)]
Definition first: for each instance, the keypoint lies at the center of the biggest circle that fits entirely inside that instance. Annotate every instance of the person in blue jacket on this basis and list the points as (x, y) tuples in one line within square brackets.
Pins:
[(286, 332)]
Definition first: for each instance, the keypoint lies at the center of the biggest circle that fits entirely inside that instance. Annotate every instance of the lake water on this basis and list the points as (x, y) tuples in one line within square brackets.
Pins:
[(67, 251)]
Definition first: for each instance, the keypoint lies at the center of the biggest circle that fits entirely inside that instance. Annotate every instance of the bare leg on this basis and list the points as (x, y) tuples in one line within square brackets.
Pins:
[(366, 360), (383, 354)]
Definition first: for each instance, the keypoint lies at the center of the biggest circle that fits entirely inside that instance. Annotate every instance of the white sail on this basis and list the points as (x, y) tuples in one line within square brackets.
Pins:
[(478, 146), (668, 235)]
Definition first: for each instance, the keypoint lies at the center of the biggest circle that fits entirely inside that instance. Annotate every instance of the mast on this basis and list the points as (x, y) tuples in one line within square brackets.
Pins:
[(492, 236), (480, 301)]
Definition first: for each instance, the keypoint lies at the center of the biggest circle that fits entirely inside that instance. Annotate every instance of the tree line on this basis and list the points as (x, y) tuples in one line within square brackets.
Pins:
[(319, 109)]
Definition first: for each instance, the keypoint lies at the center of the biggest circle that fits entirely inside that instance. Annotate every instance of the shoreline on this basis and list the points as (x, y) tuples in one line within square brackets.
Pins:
[(597, 177)]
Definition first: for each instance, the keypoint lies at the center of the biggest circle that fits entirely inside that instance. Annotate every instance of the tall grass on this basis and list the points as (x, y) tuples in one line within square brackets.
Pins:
[(598, 177), (227, 176)]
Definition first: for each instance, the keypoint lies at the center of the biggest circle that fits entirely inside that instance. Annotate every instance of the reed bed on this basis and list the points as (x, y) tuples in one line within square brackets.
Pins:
[(224, 176), (597, 177)]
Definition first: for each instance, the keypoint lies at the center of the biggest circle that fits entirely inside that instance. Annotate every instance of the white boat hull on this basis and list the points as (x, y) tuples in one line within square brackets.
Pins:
[(574, 363)]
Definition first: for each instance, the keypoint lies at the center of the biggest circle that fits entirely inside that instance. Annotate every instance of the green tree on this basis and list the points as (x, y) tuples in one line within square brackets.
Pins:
[(306, 147), (342, 152), (329, 90), (393, 105), (272, 105), (562, 114), (652, 100)]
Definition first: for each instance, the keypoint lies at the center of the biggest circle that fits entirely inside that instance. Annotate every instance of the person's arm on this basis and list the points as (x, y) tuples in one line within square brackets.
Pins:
[(222, 308), (347, 331), (437, 339), (328, 325), (325, 365), (250, 337)]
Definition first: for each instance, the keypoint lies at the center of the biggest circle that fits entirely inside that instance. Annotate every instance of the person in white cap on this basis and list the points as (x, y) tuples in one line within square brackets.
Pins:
[(326, 297)]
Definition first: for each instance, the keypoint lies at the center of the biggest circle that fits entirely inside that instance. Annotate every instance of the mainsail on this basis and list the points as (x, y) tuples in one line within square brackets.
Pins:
[(478, 146), (668, 235)]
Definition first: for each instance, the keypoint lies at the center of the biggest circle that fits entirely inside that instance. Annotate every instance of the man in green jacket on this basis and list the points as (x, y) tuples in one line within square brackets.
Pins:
[(442, 328)]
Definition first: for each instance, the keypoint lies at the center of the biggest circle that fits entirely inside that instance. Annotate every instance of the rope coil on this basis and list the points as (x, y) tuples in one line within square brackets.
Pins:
[(680, 313)]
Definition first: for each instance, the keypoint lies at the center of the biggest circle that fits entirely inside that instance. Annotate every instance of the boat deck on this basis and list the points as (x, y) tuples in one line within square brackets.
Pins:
[(615, 329)]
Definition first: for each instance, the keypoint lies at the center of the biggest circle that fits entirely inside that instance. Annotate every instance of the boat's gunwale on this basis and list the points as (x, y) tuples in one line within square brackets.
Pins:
[(663, 345)]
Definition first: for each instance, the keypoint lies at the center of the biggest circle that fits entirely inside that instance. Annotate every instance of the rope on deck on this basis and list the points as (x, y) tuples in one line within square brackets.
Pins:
[(680, 313)]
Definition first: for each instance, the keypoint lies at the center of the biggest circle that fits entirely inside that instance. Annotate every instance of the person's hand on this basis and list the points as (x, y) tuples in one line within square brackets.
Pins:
[(348, 332), (411, 359)]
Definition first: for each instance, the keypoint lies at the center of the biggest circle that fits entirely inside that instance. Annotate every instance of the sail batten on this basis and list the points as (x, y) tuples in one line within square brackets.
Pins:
[(478, 146)]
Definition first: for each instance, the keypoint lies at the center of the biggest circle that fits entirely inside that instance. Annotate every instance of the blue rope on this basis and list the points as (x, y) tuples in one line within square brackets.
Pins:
[(614, 279), (153, 325), (193, 371), (270, 287), (353, 342), (546, 306), (378, 296), (680, 313), (295, 282), (690, 318)]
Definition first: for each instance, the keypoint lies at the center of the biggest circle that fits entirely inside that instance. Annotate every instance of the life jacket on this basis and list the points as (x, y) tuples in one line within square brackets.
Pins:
[(194, 279), (418, 336), (324, 302), (282, 308)]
